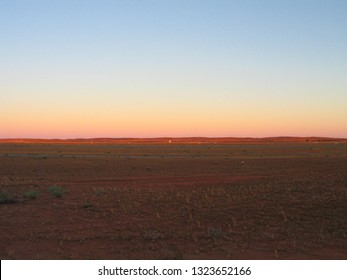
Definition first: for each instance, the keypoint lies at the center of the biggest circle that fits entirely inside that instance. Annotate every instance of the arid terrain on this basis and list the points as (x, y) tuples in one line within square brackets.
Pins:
[(198, 198)]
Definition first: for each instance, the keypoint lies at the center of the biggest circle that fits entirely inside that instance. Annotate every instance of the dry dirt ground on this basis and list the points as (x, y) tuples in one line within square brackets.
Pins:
[(173, 201)]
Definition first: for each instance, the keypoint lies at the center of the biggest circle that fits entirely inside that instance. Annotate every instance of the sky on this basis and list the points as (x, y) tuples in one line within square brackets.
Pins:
[(154, 68)]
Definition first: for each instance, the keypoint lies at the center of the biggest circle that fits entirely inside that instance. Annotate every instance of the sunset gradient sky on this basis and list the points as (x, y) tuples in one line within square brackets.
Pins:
[(150, 68)]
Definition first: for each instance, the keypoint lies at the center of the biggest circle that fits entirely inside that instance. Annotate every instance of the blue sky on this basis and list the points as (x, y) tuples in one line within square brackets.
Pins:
[(180, 68)]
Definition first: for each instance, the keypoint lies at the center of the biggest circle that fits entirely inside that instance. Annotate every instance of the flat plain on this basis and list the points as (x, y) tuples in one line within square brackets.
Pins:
[(173, 199)]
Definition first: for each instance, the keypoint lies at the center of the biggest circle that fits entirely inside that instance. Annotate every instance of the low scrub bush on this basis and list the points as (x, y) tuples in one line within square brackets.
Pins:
[(6, 197), (32, 194), (215, 233), (56, 191)]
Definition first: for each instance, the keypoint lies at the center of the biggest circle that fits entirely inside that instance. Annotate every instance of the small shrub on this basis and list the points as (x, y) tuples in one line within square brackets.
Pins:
[(6, 197), (87, 205), (215, 233), (56, 191), (32, 194), (152, 235)]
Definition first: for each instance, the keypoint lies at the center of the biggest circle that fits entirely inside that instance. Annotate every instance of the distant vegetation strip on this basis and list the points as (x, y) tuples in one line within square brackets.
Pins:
[(176, 140)]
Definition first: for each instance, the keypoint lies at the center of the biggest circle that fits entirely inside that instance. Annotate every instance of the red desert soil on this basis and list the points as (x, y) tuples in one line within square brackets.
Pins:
[(242, 200)]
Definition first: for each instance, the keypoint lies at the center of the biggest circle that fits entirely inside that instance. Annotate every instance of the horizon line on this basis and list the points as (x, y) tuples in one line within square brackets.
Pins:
[(173, 137)]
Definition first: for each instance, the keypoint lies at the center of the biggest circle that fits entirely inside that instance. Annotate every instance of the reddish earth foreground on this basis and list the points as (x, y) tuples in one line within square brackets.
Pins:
[(227, 201)]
